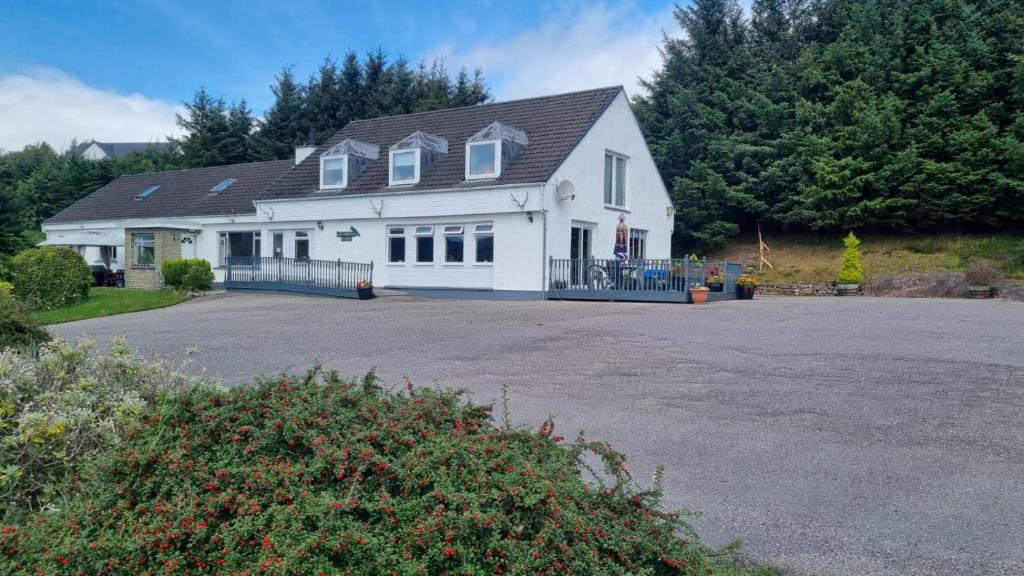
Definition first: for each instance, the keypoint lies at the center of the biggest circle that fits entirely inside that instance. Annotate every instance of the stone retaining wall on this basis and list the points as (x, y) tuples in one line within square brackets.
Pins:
[(918, 285)]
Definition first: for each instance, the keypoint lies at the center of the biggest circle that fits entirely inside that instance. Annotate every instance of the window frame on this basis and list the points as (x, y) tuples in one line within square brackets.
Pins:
[(135, 249), (482, 231), (639, 236), (397, 233), (497, 160), (303, 238), (223, 185), (452, 231), (615, 158), (344, 171), (417, 234), (224, 244), (415, 166), (274, 237)]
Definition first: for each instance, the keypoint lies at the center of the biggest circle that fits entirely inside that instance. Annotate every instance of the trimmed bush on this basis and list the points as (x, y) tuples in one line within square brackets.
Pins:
[(51, 277), (61, 406), (320, 475), (18, 328), (187, 274), (850, 270)]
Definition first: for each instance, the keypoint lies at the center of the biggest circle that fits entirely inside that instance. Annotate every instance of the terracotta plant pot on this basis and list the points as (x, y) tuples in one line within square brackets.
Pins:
[(979, 292), (699, 295), (745, 292), (847, 289)]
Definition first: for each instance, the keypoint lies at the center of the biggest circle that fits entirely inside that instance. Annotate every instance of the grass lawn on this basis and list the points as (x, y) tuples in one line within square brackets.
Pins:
[(816, 258), (109, 301)]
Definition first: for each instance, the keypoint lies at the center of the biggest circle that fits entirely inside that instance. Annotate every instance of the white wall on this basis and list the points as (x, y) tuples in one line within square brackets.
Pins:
[(646, 198)]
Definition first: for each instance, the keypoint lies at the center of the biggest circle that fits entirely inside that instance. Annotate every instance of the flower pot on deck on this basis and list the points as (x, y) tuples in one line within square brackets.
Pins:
[(699, 295), (716, 286)]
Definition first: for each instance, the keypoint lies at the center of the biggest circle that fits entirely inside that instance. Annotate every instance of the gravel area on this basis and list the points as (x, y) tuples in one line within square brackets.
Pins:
[(832, 435)]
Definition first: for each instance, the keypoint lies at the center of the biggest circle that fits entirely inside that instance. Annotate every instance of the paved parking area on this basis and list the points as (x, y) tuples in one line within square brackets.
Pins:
[(832, 435)]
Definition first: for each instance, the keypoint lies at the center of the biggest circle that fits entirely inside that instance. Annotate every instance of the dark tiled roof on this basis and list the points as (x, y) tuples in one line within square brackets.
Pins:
[(122, 149), (553, 124), (182, 193)]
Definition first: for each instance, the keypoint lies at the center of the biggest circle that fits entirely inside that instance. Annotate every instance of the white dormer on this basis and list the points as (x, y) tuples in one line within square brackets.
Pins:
[(344, 162), (491, 149), (410, 158)]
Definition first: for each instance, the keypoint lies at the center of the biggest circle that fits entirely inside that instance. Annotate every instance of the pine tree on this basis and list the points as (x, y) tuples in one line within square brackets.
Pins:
[(284, 126), (207, 131)]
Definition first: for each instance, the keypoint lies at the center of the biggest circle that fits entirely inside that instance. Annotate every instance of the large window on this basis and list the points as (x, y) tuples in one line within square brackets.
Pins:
[(424, 244), (637, 243), (144, 250), (484, 236), (239, 245), (332, 171), (404, 169), (482, 160), (301, 245), (396, 244), (614, 180), (453, 244)]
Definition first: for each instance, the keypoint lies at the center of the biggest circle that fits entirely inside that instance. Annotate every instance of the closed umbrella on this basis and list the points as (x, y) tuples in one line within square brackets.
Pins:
[(622, 239)]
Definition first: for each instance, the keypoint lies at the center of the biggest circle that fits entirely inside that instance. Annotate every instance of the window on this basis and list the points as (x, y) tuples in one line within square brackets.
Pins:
[(424, 244), (144, 246), (332, 172), (482, 160), (637, 244), (404, 167), (278, 240), (453, 244), (222, 186), (147, 192), (396, 244), (484, 235), (239, 245), (614, 180), (302, 245)]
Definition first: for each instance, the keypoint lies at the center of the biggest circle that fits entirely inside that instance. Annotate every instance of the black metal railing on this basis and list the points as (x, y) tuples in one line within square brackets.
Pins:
[(667, 279), (333, 277)]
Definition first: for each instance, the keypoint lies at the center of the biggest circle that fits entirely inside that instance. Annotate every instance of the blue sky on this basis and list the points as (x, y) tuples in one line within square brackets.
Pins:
[(118, 70)]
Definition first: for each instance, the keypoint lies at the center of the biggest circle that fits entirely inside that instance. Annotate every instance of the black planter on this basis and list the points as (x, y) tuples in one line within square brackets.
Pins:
[(716, 286), (745, 292), (365, 293)]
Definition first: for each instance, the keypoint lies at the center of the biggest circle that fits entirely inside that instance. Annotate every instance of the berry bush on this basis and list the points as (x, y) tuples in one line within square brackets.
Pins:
[(320, 475)]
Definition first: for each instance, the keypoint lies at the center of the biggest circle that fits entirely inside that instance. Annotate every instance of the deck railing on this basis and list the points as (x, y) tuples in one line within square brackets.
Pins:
[(668, 279), (331, 277)]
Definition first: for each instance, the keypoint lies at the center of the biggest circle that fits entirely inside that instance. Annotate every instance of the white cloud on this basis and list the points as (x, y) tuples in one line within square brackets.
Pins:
[(578, 47), (47, 105)]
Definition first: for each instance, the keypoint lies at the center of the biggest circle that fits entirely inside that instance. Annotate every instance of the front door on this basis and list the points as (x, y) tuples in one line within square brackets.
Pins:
[(580, 250), (188, 246)]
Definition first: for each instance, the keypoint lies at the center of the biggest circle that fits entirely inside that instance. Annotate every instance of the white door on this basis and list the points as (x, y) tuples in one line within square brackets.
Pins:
[(188, 246)]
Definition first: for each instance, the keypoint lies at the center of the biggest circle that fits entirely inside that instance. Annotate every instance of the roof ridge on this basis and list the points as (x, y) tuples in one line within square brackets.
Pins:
[(202, 168), (477, 106)]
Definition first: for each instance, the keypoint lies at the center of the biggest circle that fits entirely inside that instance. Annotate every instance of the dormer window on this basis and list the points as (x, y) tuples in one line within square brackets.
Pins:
[(412, 157), (490, 150), (344, 162)]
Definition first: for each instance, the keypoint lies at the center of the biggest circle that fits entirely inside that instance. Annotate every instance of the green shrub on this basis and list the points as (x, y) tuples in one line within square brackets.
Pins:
[(6, 289), (188, 275), (51, 277), (62, 405), (850, 270), (325, 476), (1015, 259), (18, 327)]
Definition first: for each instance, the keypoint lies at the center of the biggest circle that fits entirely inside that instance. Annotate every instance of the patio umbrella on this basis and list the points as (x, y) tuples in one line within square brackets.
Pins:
[(622, 239)]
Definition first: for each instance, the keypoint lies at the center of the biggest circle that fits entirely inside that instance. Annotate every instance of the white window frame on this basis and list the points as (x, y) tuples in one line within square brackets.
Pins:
[(344, 171), (625, 179), (415, 164), (398, 232), (640, 236), (295, 244), (482, 230), (150, 242), (449, 231), (497, 160), (427, 232)]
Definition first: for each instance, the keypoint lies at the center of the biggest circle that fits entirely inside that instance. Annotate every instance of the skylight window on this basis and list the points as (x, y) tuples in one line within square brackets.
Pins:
[(222, 186), (147, 192)]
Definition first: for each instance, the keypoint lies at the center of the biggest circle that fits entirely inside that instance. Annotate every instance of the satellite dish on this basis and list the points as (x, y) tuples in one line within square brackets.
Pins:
[(566, 190)]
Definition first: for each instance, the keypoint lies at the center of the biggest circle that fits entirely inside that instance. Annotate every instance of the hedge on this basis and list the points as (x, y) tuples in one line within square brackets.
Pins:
[(51, 277), (189, 275), (18, 327)]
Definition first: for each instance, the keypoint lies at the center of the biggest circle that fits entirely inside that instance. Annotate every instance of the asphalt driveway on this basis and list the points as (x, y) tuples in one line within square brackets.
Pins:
[(832, 435)]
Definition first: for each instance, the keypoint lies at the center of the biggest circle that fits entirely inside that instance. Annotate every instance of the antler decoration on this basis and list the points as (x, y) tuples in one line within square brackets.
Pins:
[(380, 210), (522, 204)]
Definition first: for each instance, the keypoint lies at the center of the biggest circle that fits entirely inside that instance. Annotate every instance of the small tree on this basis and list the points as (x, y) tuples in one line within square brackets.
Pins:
[(50, 277), (851, 271)]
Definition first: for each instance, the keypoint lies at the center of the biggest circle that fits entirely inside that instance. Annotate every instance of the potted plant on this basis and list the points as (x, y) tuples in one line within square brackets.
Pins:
[(364, 288), (745, 287), (851, 273), (981, 276), (715, 283)]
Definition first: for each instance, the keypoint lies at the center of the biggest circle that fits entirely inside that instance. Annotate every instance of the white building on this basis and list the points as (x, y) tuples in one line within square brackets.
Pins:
[(475, 198)]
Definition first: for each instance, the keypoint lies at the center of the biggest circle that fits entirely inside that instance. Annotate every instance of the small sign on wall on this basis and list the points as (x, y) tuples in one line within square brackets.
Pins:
[(348, 235)]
